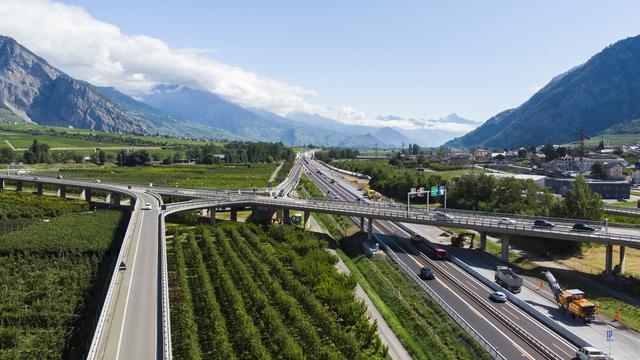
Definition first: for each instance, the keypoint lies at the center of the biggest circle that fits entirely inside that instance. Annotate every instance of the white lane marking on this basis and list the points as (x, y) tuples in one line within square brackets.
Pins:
[(126, 303), (515, 345)]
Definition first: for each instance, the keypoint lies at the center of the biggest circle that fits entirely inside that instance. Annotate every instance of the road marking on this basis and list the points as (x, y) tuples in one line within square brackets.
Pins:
[(559, 348), (126, 303), (471, 284), (505, 308)]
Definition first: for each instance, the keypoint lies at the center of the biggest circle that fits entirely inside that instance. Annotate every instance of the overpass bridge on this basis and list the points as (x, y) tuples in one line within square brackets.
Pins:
[(137, 299)]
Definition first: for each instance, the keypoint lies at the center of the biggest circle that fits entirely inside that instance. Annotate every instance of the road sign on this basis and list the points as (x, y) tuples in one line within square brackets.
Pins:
[(413, 190), (610, 335), (441, 190), (420, 192), (434, 191)]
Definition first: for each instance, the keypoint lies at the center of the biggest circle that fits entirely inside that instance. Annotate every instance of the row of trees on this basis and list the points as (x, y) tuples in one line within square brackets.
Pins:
[(256, 303)]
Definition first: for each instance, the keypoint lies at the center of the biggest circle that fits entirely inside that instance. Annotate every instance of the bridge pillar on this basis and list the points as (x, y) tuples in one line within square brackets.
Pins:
[(212, 216), (483, 241), (117, 199), (107, 198), (38, 188), (370, 230), (1, 184), (608, 261), (132, 203), (622, 249), (18, 185), (286, 218), (307, 215), (505, 248), (62, 191), (234, 214), (86, 195), (361, 223)]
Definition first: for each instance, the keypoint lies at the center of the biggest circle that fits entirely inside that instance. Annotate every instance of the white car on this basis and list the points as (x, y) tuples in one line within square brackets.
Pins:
[(591, 353), (498, 296), (146, 206), (443, 216), (506, 221)]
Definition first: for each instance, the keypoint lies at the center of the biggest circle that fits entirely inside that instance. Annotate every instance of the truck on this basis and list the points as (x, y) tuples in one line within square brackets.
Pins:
[(572, 301), (591, 353), (508, 279), (439, 253)]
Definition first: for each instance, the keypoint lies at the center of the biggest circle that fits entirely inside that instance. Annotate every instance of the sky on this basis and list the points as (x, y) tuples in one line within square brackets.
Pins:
[(350, 60)]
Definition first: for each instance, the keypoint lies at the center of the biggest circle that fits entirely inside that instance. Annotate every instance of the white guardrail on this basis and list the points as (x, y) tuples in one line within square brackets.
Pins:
[(167, 352), (95, 342)]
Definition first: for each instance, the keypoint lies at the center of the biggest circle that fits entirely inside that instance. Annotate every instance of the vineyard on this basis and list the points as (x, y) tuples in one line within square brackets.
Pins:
[(242, 292), (194, 176), (53, 276), (15, 205)]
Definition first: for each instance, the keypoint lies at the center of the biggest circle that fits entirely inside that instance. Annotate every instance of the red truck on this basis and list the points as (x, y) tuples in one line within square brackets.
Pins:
[(439, 253)]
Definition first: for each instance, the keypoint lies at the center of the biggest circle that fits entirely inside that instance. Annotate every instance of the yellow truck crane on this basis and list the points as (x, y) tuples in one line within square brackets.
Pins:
[(571, 301)]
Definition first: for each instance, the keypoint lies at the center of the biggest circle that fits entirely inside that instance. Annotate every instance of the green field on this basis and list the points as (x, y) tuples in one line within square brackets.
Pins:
[(240, 292), (191, 176), (21, 140), (65, 137), (628, 204), (613, 140), (51, 274)]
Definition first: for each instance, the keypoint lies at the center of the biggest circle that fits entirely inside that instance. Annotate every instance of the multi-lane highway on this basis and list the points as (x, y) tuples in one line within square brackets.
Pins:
[(505, 327), (134, 321)]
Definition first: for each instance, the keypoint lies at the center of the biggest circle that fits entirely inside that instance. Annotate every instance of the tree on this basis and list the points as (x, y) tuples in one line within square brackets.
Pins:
[(581, 203), (102, 157), (7, 155), (550, 152), (597, 170)]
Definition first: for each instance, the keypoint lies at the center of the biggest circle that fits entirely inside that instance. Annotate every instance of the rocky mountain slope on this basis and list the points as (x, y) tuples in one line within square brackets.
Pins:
[(600, 94), (37, 92)]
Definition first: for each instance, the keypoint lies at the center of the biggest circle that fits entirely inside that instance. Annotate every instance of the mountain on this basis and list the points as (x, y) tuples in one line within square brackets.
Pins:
[(600, 94), (160, 121), (330, 124), (37, 92), (391, 137), (213, 111)]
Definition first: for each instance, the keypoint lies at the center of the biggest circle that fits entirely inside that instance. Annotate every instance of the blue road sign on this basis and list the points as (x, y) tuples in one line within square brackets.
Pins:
[(441, 190)]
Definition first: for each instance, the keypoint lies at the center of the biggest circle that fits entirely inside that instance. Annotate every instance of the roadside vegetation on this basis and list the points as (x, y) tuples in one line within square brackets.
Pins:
[(239, 291), (53, 277), (425, 330)]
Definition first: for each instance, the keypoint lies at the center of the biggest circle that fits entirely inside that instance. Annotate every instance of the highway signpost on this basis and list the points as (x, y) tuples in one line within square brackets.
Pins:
[(419, 192)]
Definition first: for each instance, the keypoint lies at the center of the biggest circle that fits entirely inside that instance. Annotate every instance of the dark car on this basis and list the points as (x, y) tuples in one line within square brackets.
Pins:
[(583, 227), (427, 274), (543, 223)]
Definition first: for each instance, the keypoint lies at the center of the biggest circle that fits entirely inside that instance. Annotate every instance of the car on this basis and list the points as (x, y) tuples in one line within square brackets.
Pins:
[(416, 237), (543, 223), (622, 200), (146, 206), (59, 177), (506, 221), (36, 178), (98, 181), (427, 274), (443, 216), (590, 353), (583, 227), (498, 296), (439, 253)]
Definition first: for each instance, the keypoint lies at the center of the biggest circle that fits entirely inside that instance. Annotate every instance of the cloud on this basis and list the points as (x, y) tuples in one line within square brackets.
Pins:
[(98, 52)]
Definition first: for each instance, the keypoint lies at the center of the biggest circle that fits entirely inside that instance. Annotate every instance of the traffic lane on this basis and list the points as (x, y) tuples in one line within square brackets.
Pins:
[(540, 332), (497, 334), (515, 314), (139, 334)]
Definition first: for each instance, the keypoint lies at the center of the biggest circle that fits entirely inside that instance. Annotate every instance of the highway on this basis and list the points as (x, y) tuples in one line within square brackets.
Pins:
[(467, 296)]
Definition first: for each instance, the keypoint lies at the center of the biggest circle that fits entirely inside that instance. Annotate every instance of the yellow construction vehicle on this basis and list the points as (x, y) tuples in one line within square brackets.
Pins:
[(572, 301)]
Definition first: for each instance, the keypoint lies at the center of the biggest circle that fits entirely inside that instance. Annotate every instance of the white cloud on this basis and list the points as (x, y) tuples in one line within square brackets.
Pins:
[(92, 50), (98, 52)]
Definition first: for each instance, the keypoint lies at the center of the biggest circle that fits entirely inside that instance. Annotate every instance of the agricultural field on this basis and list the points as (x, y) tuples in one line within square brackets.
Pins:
[(239, 291), (53, 276), (19, 210), (22, 141), (191, 176)]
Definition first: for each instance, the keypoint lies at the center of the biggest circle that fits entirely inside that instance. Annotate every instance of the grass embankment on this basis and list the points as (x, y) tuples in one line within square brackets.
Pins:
[(53, 276), (628, 204), (192, 176), (238, 291), (425, 330)]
